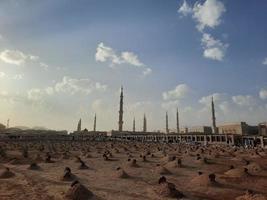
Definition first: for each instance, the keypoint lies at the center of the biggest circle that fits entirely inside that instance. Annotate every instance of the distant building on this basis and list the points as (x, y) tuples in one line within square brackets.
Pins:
[(196, 129), (241, 128), (115, 133), (85, 132), (262, 128), (200, 129), (16, 133), (2, 127), (183, 130)]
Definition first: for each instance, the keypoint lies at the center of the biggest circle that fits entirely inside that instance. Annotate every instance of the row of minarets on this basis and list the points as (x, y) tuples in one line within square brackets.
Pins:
[(79, 126), (177, 122), (120, 123), (214, 127), (144, 124)]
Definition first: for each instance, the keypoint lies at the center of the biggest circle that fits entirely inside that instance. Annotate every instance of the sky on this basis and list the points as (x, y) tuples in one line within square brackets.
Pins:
[(65, 60)]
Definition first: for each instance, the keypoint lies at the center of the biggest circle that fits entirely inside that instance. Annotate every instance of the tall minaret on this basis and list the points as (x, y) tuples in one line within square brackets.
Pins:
[(121, 110), (95, 123), (134, 125), (213, 116), (177, 121), (144, 125), (167, 123), (79, 127)]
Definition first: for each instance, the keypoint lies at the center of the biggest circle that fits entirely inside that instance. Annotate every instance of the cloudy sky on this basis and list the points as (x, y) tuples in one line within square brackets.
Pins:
[(64, 60)]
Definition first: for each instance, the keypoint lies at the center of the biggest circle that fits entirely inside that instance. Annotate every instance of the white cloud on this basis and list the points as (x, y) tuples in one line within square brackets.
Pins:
[(264, 62), (13, 57), (14, 77), (225, 107), (67, 85), (35, 98), (16, 57), (221, 101), (263, 94), (44, 65), (107, 54), (179, 92), (2, 74), (170, 105), (34, 58), (49, 90), (213, 53), (84, 86), (140, 105), (187, 109), (185, 9), (35, 94), (213, 49), (217, 97), (3, 93), (147, 71), (12, 98), (131, 58), (18, 76), (97, 105), (244, 100), (208, 14), (209, 41)]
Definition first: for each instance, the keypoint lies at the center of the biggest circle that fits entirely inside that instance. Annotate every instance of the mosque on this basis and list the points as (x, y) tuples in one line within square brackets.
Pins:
[(229, 134)]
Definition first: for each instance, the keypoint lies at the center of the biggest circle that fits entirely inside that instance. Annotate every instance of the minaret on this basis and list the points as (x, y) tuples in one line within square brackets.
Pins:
[(213, 117), (7, 124), (79, 127), (95, 123), (167, 123), (144, 125), (134, 125), (121, 110), (177, 121)]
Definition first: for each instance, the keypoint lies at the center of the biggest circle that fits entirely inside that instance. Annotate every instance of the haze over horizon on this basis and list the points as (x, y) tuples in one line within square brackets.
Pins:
[(65, 60)]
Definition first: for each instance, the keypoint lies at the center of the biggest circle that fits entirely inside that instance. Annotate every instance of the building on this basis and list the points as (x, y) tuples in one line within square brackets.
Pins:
[(196, 129), (241, 128), (262, 128), (33, 134), (2, 127), (200, 129), (183, 130)]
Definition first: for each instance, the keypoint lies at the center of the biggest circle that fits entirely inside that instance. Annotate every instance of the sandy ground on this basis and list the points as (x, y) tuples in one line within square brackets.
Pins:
[(112, 173)]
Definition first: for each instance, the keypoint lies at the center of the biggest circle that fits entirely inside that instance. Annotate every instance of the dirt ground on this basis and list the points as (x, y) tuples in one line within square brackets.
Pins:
[(110, 172)]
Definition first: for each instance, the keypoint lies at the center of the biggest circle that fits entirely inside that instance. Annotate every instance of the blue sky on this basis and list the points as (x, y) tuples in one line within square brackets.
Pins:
[(64, 60)]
